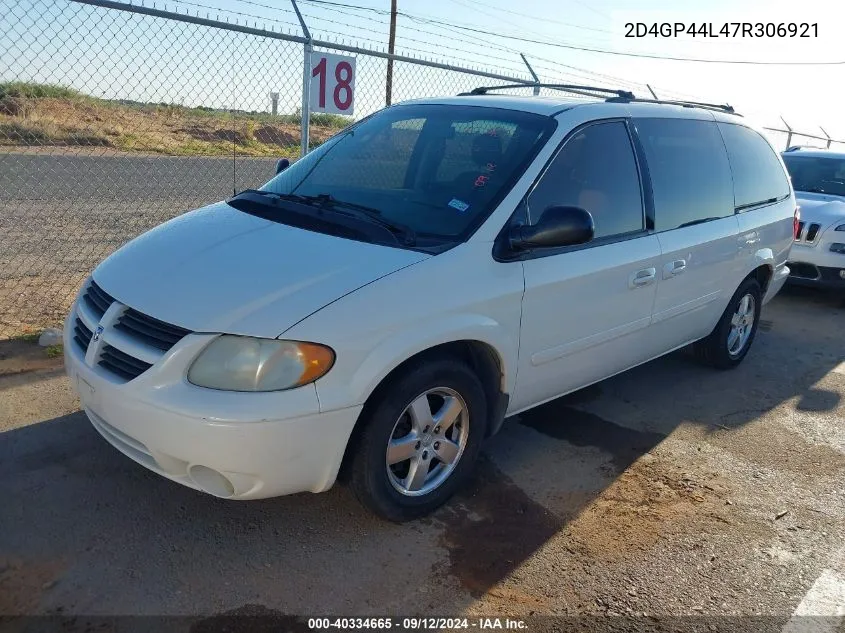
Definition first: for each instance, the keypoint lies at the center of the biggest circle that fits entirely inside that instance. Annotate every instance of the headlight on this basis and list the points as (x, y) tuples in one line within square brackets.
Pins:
[(841, 227), (243, 363)]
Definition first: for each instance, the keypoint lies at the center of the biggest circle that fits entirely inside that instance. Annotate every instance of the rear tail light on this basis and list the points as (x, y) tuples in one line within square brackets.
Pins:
[(796, 218)]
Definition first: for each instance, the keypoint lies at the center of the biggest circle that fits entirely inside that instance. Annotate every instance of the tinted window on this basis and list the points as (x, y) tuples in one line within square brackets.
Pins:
[(596, 171), (689, 171), (817, 174), (437, 169), (757, 172)]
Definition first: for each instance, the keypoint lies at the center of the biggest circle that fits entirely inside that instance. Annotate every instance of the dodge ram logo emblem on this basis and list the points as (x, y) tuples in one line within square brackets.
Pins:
[(97, 333)]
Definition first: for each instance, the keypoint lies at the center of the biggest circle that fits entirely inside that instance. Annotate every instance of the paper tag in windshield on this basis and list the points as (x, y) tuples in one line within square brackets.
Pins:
[(460, 205)]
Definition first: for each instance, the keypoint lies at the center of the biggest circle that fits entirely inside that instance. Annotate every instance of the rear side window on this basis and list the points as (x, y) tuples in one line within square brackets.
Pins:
[(595, 170), (690, 174), (757, 173)]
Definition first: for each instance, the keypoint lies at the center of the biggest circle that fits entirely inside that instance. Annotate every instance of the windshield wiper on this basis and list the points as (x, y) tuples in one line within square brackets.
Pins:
[(293, 197), (327, 201)]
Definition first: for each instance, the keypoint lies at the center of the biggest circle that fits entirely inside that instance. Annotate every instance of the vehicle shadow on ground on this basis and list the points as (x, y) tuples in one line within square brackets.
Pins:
[(86, 530)]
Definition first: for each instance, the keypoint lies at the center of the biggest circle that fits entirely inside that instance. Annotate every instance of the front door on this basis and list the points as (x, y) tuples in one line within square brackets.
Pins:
[(586, 308)]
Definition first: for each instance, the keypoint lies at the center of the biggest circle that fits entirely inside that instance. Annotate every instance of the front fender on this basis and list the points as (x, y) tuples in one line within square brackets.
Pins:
[(402, 345), (463, 294)]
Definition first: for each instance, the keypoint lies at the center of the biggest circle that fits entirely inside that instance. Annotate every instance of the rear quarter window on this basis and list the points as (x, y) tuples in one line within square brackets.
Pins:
[(689, 169), (757, 173)]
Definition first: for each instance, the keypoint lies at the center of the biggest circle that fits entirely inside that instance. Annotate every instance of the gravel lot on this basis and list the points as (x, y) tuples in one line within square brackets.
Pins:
[(669, 491)]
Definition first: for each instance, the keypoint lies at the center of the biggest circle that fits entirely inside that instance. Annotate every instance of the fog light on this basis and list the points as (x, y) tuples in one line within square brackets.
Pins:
[(837, 247)]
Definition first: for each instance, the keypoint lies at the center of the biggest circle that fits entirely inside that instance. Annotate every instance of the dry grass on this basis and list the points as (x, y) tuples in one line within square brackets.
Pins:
[(45, 116)]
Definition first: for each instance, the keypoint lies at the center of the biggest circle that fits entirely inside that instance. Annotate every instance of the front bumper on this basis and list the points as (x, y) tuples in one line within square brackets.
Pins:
[(814, 264), (806, 274), (229, 444)]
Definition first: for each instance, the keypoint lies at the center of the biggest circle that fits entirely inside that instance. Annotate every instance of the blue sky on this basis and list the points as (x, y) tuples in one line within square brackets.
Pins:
[(121, 55), (805, 96)]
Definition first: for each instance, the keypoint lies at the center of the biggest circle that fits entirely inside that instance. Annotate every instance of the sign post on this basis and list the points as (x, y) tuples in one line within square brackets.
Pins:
[(305, 119)]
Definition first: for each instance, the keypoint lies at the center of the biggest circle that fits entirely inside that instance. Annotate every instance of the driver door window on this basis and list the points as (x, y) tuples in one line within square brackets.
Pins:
[(595, 170)]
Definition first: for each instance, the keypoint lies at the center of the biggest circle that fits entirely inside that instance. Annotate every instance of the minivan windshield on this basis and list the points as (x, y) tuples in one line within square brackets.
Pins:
[(816, 174), (438, 170)]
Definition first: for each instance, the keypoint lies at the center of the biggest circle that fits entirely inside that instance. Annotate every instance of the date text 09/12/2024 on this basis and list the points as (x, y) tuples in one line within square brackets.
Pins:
[(416, 623), (727, 29)]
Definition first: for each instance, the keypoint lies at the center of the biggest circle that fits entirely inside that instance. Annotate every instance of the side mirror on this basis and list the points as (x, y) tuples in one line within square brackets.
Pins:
[(558, 226), (281, 165)]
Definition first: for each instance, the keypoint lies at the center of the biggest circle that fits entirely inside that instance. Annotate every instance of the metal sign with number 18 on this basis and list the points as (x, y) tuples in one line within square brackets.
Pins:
[(332, 83)]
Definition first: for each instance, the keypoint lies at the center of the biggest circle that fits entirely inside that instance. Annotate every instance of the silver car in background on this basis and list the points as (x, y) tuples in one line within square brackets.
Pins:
[(818, 254)]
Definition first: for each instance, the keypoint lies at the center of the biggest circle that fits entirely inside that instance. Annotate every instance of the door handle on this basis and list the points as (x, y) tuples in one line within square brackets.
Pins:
[(672, 269), (642, 277)]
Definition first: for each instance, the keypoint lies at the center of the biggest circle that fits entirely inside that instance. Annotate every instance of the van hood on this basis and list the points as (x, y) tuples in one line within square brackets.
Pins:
[(218, 269), (823, 211)]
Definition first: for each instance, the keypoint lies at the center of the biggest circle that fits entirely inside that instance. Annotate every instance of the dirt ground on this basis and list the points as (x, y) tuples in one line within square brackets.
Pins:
[(670, 496)]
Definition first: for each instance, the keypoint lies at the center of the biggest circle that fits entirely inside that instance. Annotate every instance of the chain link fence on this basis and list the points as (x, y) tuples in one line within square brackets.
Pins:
[(115, 118), (113, 121)]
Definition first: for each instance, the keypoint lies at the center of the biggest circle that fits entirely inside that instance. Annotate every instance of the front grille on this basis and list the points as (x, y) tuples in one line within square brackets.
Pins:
[(81, 334), (97, 299), (121, 363), (139, 327), (149, 330), (812, 232), (804, 271), (800, 230)]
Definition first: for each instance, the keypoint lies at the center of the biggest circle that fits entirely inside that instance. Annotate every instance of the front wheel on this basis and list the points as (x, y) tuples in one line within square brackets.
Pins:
[(421, 439), (731, 339)]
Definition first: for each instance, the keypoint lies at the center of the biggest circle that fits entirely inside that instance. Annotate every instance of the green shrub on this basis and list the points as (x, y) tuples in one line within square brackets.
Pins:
[(36, 91)]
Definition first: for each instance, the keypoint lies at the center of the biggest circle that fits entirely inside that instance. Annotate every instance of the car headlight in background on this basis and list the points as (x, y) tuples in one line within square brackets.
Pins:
[(243, 363), (836, 247), (841, 227)]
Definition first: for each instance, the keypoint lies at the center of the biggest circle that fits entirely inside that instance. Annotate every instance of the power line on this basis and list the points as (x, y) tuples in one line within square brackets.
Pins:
[(483, 56), (593, 9), (486, 5)]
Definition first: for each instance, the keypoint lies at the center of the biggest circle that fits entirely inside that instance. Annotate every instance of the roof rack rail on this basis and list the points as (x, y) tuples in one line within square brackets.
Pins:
[(584, 90), (619, 96), (720, 107)]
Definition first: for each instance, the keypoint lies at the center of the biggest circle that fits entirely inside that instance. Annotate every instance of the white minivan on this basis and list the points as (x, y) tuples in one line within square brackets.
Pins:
[(380, 306)]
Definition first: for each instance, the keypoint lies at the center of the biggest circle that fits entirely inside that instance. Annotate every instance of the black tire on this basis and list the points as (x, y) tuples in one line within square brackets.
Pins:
[(368, 473), (713, 350)]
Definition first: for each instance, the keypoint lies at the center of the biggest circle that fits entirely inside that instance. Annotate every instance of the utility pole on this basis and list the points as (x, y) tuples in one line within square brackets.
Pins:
[(391, 43)]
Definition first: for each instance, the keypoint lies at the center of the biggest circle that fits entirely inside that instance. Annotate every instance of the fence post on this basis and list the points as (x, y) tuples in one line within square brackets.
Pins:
[(307, 48), (533, 74), (788, 134), (391, 48), (827, 135)]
